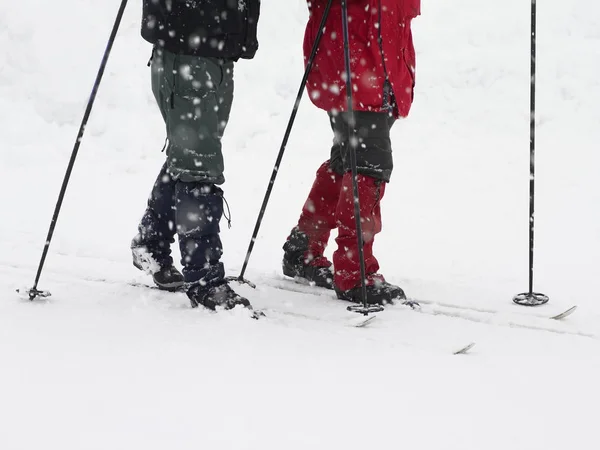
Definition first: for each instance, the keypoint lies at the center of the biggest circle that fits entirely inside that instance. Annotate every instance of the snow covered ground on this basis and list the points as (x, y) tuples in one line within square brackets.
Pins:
[(105, 365)]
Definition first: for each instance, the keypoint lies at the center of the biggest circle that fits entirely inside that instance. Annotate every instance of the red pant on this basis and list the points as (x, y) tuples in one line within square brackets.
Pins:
[(330, 204)]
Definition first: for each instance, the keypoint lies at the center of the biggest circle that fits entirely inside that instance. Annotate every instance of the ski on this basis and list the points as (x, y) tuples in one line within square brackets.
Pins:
[(257, 314), (363, 321), (512, 319), (557, 316), (302, 287), (564, 314), (560, 316), (154, 287), (465, 349)]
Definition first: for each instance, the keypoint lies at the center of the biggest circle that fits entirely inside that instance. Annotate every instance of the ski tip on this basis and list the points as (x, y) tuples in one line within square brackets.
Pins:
[(363, 321), (257, 314), (465, 349), (565, 313), (413, 304)]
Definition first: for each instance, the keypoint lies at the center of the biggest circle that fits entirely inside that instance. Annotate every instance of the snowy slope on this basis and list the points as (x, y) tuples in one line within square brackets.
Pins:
[(102, 364)]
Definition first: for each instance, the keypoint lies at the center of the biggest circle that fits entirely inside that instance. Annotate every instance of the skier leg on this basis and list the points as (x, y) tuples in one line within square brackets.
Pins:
[(151, 247), (305, 246), (374, 165), (198, 110)]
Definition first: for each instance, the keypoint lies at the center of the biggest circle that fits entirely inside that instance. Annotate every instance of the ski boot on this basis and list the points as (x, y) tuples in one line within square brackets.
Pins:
[(166, 278)]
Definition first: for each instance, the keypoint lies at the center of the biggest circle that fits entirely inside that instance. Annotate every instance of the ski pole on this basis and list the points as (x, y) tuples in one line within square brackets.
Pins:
[(353, 142), (531, 298), (286, 136), (34, 292)]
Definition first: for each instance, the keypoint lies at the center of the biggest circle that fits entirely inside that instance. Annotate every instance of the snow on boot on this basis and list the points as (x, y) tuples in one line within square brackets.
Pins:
[(298, 263), (216, 295), (166, 277), (378, 293), (144, 260)]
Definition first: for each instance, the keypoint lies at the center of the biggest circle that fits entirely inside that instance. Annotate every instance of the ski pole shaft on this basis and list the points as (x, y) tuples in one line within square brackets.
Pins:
[(34, 292), (532, 298), (286, 136), (353, 142), (532, 145)]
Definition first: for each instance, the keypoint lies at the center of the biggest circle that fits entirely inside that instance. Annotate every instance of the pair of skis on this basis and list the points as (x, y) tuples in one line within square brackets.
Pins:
[(302, 288), (355, 321), (428, 307)]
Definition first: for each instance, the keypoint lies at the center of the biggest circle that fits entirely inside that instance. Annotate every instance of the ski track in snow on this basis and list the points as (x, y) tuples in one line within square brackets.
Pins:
[(102, 364)]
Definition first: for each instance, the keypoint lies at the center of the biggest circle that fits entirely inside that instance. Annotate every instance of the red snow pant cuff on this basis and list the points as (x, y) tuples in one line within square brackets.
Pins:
[(346, 258)]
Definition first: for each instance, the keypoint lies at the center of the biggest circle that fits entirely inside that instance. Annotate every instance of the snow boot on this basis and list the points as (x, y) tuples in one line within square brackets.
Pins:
[(303, 250), (378, 293), (346, 258), (167, 278), (151, 247), (198, 211), (296, 264), (217, 295)]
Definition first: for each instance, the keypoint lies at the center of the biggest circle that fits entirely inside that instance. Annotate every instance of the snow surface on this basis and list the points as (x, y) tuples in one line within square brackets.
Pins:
[(105, 365)]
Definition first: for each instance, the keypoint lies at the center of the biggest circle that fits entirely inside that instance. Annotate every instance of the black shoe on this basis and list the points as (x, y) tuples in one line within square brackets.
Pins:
[(317, 276), (167, 278), (216, 295), (380, 293), (316, 271)]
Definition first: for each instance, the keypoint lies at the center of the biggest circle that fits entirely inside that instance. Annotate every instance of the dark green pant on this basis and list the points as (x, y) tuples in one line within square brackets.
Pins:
[(194, 95)]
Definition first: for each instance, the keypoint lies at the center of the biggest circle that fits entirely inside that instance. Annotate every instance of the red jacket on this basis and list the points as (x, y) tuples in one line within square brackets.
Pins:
[(370, 59)]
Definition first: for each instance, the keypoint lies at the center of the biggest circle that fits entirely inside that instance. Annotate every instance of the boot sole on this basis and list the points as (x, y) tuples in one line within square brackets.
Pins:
[(170, 287), (392, 301)]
